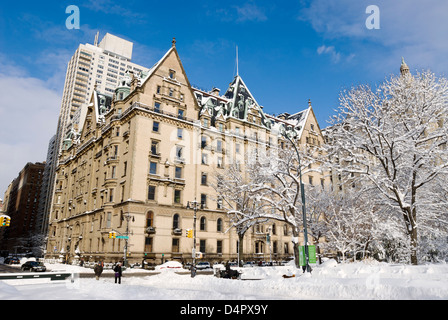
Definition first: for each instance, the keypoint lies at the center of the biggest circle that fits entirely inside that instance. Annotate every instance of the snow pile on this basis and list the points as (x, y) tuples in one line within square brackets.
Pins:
[(360, 280), (169, 266)]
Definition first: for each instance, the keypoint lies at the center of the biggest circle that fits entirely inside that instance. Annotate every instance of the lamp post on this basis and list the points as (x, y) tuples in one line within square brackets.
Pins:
[(194, 205), (302, 191), (128, 217)]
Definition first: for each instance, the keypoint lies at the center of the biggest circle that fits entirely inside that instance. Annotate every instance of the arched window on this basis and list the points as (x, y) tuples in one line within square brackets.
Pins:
[(176, 220), (202, 224), (219, 225), (150, 219)]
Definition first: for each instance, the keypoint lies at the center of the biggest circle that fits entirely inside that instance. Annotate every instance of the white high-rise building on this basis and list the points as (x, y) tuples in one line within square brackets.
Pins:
[(99, 66)]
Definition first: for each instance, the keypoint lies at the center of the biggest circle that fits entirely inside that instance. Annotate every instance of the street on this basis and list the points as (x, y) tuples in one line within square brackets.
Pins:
[(4, 268)]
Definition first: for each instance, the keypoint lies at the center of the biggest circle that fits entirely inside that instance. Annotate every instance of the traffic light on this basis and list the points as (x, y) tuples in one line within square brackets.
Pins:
[(112, 235), (5, 221), (189, 233)]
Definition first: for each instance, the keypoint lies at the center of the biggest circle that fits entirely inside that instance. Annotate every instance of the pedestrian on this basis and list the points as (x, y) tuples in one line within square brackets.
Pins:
[(98, 269), (118, 273)]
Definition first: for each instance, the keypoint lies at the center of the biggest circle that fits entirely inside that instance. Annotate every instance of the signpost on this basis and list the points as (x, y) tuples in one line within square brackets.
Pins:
[(311, 252)]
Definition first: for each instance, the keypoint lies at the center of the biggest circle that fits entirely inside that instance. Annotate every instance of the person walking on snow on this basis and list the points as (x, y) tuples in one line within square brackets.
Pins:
[(118, 272), (98, 269)]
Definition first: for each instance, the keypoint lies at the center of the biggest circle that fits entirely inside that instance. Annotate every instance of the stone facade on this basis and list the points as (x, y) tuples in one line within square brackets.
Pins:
[(142, 156)]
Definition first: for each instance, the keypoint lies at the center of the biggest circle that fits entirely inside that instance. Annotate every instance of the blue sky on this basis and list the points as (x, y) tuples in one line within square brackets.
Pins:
[(289, 52)]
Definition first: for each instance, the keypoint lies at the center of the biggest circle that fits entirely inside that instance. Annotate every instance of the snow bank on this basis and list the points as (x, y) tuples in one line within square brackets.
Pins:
[(360, 280), (169, 266)]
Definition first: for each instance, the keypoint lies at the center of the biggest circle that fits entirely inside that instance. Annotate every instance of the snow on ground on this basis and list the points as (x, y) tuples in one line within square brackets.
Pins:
[(359, 280)]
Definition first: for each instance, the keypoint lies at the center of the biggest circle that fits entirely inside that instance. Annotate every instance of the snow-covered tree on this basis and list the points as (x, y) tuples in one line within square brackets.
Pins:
[(393, 140), (239, 195), (280, 187)]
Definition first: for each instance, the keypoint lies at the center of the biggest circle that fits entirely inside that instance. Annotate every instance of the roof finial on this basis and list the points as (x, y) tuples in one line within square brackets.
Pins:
[(237, 62), (173, 43), (309, 102)]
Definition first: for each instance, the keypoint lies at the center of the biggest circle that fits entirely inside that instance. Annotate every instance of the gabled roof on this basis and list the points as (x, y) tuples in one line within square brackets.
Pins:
[(240, 99), (156, 66)]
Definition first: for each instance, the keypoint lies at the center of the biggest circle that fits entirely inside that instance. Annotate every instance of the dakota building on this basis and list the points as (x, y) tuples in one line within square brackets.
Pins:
[(138, 158)]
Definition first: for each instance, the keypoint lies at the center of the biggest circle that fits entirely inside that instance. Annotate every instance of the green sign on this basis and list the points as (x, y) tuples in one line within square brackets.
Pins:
[(311, 254), (122, 237)]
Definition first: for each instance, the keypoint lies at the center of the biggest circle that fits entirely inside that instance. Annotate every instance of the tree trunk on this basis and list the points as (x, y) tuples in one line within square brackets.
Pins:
[(413, 235), (296, 248), (240, 248)]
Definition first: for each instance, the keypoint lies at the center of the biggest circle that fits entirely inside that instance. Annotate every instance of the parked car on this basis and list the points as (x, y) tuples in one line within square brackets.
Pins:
[(33, 266), (203, 265), (14, 260)]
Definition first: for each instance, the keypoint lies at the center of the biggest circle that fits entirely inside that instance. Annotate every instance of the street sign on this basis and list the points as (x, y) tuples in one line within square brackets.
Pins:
[(122, 237)]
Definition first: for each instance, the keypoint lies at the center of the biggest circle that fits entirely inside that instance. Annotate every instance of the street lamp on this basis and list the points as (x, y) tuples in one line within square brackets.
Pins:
[(302, 191), (195, 206), (128, 217)]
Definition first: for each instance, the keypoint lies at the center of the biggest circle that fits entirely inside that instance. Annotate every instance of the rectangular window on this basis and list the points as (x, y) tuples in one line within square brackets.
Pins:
[(157, 107), (204, 179), (179, 133), (125, 168), (179, 152), (155, 126), (180, 114), (153, 168), (202, 246), (204, 159), (154, 147), (219, 146), (111, 195), (175, 245), (203, 200), (177, 195), (178, 173), (148, 244), (109, 220), (151, 193)]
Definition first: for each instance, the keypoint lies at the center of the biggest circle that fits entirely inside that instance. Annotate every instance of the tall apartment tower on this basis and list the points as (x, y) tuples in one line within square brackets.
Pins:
[(99, 66), (23, 202)]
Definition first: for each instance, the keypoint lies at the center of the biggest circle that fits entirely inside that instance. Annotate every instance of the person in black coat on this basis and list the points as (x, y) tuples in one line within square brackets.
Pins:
[(118, 273)]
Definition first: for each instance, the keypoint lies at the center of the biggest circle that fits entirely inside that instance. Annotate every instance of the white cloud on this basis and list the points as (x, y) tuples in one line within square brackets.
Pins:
[(250, 12), (411, 28), (28, 119), (243, 12), (335, 56)]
